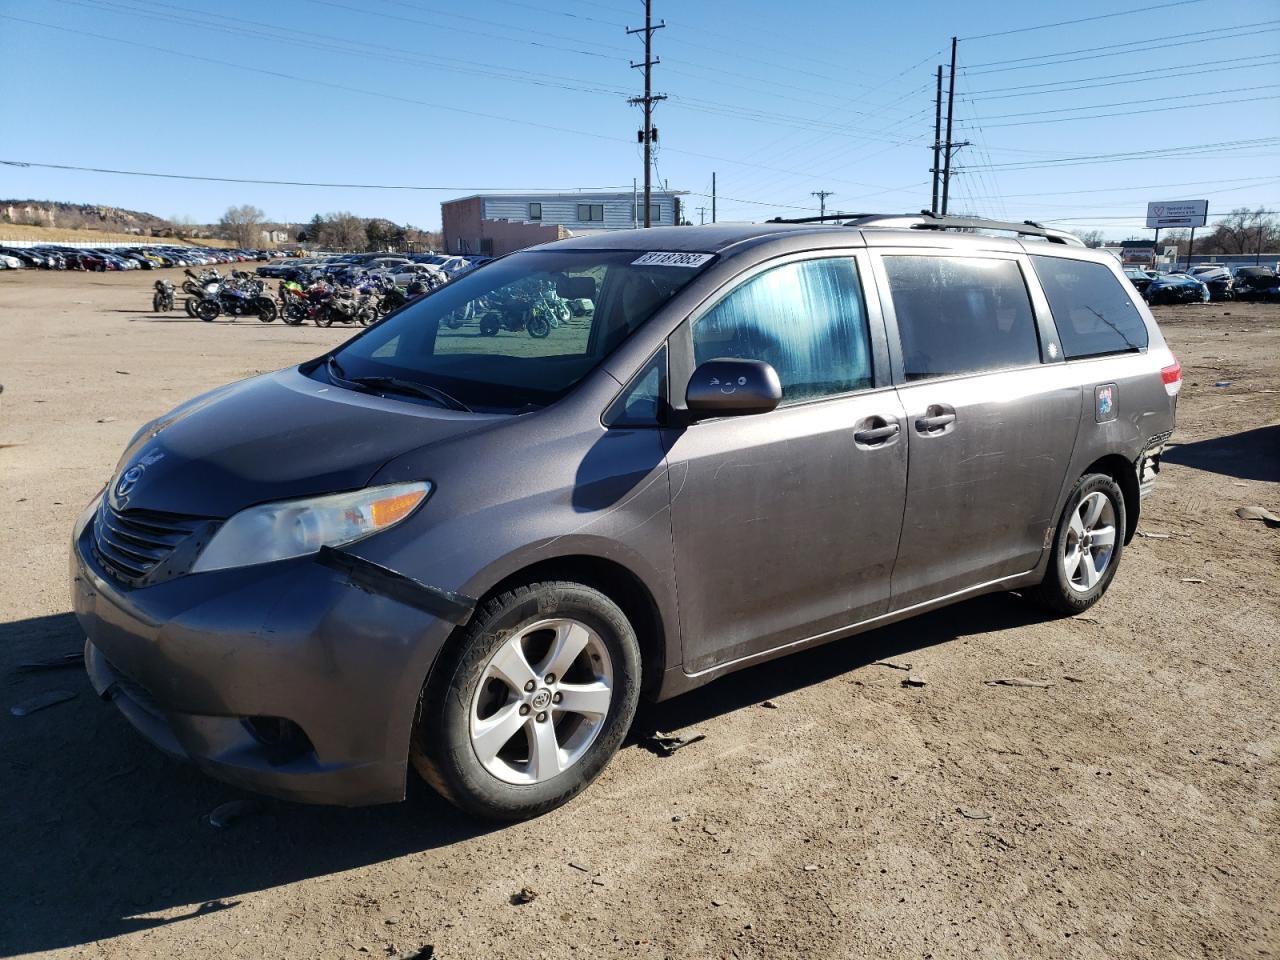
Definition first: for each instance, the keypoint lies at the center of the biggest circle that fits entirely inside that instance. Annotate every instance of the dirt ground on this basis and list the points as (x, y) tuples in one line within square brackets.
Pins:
[(1127, 810)]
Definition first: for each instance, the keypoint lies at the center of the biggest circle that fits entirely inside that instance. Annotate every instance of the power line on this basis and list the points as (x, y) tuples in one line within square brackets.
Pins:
[(1143, 43), (1155, 73), (1126, 103), (1185, 150), (1123, 113), (387, 95), (299, 183), (1122, 53), (1065, 23)]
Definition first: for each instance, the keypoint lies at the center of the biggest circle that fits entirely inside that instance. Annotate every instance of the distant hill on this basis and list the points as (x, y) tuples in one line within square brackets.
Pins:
[(82, 216)]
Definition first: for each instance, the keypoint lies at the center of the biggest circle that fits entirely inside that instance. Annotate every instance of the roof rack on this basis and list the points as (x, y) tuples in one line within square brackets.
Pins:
[(927, 220)]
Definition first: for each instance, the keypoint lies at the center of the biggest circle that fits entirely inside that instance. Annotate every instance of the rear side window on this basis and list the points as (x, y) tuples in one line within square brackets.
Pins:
[(960, 315), (1093, 313), (805, 319)]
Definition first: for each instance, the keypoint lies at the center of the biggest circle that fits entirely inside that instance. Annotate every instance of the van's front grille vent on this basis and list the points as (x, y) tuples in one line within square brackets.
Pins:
[(135, 544)]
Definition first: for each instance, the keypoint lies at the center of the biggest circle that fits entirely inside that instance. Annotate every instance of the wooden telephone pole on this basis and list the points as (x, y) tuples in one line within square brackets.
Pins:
[(649, 134)]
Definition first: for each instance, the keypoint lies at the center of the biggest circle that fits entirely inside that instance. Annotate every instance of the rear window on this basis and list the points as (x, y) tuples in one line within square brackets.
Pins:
[(1094, 314)]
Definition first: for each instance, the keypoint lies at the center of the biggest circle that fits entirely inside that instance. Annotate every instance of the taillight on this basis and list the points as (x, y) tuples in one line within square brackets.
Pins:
[(1172, 377)]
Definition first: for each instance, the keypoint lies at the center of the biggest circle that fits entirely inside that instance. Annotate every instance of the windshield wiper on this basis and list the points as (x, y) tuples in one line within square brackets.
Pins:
[(413, 388)]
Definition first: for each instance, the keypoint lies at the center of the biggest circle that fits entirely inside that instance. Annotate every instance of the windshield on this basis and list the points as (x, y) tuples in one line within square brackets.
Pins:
[(518, 334)]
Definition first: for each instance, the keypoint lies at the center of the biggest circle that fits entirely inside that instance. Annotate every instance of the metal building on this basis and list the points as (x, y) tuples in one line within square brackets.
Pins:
[(494, 224)]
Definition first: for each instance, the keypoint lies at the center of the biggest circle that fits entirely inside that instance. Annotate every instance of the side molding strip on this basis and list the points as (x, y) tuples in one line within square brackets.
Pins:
[(376, 578)]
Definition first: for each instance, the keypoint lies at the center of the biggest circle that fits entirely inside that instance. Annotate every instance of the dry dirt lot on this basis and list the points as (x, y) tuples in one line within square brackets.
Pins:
[(1129, 809)]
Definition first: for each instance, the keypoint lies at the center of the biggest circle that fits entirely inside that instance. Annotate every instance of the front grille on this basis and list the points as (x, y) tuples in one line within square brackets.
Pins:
[(138, 545)]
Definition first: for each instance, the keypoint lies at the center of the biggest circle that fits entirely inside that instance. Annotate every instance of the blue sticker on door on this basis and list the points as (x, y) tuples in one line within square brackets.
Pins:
[(1104, 402)]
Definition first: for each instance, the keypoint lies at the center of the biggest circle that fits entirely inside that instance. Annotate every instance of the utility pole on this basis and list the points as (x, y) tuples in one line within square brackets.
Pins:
[(937, 139), (702, 216), (822, 200), (648, 135), (713, 196), (949, 146)]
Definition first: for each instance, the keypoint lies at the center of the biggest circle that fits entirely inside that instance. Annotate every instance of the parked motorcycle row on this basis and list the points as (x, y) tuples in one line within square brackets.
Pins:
[(318, 298)]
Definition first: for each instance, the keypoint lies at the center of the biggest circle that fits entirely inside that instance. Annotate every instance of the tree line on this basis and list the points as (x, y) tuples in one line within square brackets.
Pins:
[(243, 226)]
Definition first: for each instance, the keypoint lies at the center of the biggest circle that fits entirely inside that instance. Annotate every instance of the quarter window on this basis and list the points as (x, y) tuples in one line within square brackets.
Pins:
[(805, 318), (1093, 313), (959, 315), (591, 211)]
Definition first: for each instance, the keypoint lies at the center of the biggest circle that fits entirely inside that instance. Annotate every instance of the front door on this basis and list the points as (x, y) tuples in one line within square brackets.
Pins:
[(990, 423), (786, 524)]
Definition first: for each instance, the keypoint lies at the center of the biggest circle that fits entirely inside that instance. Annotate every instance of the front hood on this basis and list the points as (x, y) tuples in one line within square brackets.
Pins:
[(279, 436)]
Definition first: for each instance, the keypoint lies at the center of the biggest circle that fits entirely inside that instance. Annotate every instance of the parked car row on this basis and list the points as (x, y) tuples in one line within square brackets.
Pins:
[(59, 257), (1205, 282), (403, 268)]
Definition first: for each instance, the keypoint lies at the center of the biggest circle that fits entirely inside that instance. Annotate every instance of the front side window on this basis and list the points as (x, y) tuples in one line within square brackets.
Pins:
[(591, 212), (806, 319), (1093, 313), (517, 335), (959, 315)]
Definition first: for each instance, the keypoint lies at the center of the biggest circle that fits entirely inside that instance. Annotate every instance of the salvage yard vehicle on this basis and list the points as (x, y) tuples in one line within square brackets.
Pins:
[(1256, 283), (1176, 288), (463, 553)]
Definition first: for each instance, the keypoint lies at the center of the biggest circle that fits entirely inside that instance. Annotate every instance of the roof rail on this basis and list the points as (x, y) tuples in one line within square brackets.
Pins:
[(927, 220)]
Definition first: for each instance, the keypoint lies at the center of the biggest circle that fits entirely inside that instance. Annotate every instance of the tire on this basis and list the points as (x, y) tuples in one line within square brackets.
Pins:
[(190, 305), (489, 325), (323, 317), (266, 308), (208, 310), (1068, 587), (538, 326), (157, 303), (464, 694)]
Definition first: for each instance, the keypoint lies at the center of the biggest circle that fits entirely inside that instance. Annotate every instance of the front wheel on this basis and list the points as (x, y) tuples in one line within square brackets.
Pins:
[(489, 324), (529, 702), (208, 310), (1086, 548), (539, 326), (266, 308), (157, 303)]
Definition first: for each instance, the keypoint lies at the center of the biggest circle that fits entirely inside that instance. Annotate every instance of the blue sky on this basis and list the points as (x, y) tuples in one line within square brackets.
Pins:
[(779, 99)]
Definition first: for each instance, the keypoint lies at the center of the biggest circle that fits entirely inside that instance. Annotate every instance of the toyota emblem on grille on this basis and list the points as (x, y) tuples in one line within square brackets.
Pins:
[(127, 480)]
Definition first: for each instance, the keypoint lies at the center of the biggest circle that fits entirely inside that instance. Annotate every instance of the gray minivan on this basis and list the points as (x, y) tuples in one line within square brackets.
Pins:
[(471, 537)]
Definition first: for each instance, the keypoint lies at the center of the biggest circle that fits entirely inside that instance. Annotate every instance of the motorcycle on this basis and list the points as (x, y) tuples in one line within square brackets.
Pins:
[(162, 299), (346, 305), (238, 297), (534, 308)]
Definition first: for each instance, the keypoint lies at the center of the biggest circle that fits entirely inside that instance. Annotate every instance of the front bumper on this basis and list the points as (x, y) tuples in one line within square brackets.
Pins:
[(197, 664)]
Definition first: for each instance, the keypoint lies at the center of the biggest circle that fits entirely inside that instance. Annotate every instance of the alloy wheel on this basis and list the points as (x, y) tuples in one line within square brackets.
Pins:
[(1090, 542), (541, 701)]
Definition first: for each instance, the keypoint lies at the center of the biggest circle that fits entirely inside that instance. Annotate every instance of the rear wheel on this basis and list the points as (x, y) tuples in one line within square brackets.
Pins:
[(538, 326), (529, 701), (489, 324), (157, 303), (190, 305), (1086, 548), (266, 308)]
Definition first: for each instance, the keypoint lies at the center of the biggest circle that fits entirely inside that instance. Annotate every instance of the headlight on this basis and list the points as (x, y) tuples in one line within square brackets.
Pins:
[(295, 528)]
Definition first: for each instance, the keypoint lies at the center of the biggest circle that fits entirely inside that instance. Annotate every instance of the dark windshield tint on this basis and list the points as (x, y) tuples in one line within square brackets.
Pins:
[(519, 333)]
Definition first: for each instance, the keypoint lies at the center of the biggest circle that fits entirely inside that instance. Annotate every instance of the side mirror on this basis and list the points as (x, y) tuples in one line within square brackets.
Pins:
[(732, 388), (575, 288)]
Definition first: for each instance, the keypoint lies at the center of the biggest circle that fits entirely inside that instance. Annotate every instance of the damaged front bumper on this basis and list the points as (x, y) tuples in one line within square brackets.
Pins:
[(298, 679)]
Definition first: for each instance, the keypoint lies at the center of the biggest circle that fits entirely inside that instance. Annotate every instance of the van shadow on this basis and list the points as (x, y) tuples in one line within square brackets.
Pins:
[(1248, 455), (105, 833)]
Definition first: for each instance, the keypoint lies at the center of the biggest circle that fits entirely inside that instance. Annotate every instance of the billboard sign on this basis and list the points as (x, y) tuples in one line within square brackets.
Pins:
[(1177, 213)]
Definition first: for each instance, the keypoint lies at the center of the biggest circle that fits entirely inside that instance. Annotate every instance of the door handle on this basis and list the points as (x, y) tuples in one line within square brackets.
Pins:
[(935, 422), (876, 434)]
